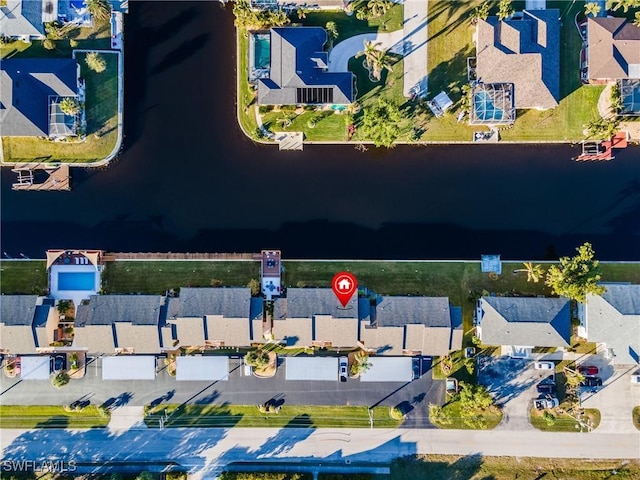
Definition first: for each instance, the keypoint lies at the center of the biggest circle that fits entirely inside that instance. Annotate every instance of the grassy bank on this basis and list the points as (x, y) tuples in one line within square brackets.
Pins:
[(477, 467), (23, 277), (46, 416), (293, 416)]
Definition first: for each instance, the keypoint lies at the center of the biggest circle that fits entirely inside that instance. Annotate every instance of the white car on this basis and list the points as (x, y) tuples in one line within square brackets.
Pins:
[(635, 379), (248, 370), (544, 366)]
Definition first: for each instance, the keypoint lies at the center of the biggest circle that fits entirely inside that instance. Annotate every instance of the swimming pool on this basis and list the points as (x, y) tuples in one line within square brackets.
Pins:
[(262, 50), (76, 281), (484, 108)]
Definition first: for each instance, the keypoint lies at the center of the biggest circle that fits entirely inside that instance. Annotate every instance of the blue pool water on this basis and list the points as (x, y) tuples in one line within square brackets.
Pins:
[(485, 109), (76, 280), (262, 50)]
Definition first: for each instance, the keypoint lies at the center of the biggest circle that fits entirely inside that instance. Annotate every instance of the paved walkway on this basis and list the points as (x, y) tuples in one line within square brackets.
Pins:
[(126, 418), (411, 42)]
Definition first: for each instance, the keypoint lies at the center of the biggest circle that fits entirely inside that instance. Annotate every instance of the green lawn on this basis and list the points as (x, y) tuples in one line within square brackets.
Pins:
[(350, 26), (24, 277), (46, 416), (492, 418), (328, 125), (298, 416), (563, 422), (478, 467), (156, 277), (246, 111), (101, 111)]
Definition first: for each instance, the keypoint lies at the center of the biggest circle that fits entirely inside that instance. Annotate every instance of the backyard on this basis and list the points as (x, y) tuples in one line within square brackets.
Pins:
[(101, 101)]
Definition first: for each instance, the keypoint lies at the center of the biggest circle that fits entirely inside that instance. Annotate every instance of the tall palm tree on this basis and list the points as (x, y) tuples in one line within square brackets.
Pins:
[(592, 8), (505, 9), (376, 59), (636, 20), (378, 7), (99, 9), (534, 272), (624, 4)]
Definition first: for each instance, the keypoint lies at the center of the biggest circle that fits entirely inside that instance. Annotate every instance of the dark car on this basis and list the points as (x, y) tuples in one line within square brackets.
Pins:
[(344, 363), (546, 388), (591, 382), (59, 363), (588, 370)]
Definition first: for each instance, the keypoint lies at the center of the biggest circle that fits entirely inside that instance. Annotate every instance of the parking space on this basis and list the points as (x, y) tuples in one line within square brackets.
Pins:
[(512, 382), (615, 399)]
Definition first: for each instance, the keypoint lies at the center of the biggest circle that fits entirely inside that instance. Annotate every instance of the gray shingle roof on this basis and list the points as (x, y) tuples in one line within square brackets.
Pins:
[(22, 17), (624, 298), (109, 309), (537, 322), (307, 302), (399, 311), (614, 319), (525, 52), (614, 44), (26, 86), (298, 61), (17, 309), (230, 302)]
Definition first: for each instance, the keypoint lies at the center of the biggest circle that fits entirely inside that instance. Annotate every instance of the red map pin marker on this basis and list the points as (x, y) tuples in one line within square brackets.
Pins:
[(344, 285)]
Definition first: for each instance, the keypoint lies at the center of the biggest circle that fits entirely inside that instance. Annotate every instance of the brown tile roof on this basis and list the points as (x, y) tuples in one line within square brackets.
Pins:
[(524, 52), (614, 45)]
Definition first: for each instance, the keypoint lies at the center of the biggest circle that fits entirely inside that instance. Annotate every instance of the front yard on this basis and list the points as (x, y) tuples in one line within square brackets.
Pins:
[(49, 416), (554, 421), (290, 416)]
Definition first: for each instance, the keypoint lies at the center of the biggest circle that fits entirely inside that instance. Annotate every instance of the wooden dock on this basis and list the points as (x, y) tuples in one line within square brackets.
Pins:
[(58, 178), (114, 256), (603, 150)]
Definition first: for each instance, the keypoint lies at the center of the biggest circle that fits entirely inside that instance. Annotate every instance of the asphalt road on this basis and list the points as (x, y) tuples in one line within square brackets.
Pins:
[(414, 396), (206, 451)]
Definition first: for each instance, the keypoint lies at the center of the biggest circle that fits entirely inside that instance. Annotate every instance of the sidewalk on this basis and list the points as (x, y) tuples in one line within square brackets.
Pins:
[(126, 418)]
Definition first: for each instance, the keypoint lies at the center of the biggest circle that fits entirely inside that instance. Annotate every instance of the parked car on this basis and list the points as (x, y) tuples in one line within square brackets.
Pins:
[(451, 386), (59, 363), (344, 369), (591, 382), (549, 379), (248, 370), (635, 379), (544, 366), (588, 370), (546, 388), (547, 401), (469, 352)]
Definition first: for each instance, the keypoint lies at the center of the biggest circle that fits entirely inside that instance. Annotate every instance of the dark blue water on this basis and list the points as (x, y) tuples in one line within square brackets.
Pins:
[(188, 179)]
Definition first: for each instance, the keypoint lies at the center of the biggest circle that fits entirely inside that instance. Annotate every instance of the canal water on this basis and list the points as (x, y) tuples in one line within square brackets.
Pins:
[(188, 180)]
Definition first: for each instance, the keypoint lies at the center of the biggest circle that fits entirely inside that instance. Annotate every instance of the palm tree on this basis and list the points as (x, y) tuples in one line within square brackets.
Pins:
[(592, 8), (636, 20), (378, 7), (69, 106), (505, 9), (301, 13), (481, 12), (624, 4), (332, 29), (534, 272), (375, 59), (99, 9), (95, 62)]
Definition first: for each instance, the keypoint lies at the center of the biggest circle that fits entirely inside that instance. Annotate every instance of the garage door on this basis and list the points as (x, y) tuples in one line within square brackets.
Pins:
[(312, 368), (388, 369), (35, 368), (129, 367), (202, 368)]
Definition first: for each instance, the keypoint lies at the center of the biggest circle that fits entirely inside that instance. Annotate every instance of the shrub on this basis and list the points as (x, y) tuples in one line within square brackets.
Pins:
[(549, 418), (254, 285), (73, 43), (69, 106), (60, 380), (259, 359), (49, 44), (396, 413)]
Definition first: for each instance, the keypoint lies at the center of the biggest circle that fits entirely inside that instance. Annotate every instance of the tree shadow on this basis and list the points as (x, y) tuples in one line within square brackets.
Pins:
[(464, 468), (213, 396), (119, 401), (164, 398)]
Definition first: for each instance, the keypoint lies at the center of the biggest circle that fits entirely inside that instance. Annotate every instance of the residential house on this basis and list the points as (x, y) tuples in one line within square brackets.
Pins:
[(27, 324), (314, 317), (109, 324), (410, 326), (211, 317), (613, 50), (30, 92), (298, 71), (612, 320), (519, 324), (25, 19), (524, 51)]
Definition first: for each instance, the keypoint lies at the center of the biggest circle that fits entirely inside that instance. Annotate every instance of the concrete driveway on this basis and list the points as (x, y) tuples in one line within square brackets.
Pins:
[(513, 385), (615, 399), (414, 396), (343, 51)]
